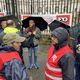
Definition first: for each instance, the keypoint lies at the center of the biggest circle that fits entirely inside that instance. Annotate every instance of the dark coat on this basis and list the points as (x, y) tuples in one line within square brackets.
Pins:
[(77, 61), (67, 61)]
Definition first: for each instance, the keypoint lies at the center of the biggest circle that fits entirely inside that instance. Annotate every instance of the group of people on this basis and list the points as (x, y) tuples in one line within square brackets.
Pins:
[(11, 43), (61, 60)]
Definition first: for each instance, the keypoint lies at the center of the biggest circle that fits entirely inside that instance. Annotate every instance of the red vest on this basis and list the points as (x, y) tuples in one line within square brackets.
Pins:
[(53, 71), (6, 57)]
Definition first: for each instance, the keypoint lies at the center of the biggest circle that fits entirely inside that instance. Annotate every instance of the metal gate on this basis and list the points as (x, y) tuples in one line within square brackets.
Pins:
[(18, 7)]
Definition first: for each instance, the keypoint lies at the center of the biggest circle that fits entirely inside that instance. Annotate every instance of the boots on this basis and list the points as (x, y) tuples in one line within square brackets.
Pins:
[(35, 62)]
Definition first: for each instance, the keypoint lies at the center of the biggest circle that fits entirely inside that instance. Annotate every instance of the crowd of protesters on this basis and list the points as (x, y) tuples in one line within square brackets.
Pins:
[(63, 63)]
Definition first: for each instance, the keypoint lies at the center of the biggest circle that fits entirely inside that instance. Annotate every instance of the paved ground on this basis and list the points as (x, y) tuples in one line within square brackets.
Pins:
[(42, 57)]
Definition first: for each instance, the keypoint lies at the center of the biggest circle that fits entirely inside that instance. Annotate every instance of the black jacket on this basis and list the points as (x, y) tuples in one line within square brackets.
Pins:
[(67, 65)]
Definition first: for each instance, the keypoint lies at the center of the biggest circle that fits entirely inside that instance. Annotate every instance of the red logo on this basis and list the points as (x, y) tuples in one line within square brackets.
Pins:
[(64, 18)]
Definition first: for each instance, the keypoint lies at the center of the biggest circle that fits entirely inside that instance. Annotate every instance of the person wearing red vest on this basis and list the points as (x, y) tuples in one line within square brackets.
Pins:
[(60, 63), (11, 66)]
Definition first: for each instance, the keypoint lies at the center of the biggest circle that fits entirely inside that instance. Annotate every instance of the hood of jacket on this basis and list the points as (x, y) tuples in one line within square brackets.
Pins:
[(62, 35)]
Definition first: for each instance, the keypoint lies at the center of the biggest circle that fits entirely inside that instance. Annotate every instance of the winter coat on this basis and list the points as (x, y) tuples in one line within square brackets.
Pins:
[(14, 69), (33, 39), (66, 62)]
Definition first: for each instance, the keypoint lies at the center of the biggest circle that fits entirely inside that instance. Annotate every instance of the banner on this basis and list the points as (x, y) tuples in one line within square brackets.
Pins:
[(2, 14), (65, 18)]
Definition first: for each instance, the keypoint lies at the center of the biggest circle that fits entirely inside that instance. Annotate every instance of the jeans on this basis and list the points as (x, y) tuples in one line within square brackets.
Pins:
[(30, 53)]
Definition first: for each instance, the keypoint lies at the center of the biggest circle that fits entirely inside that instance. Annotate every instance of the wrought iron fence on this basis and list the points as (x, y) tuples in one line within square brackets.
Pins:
[(18, 7)]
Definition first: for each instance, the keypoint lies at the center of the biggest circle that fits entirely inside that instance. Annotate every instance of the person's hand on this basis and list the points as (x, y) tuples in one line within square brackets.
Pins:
[(34, 32), (30, 33)]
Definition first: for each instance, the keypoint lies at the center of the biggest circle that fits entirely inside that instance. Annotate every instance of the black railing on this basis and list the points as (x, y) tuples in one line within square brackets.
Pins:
[(18, 7)]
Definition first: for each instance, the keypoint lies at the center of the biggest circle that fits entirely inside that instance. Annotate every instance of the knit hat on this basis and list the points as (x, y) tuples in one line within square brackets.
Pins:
[(61, 34), (13, 37)]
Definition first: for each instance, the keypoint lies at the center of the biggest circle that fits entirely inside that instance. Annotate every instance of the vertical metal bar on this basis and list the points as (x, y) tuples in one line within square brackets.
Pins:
[(27, 12), (15, 4), (18, 3), (67, 6), (9, 2), (58, 5), (50, 7), (37, 7), (6, 6), (17, 8), (2, 6), (61, 6), (64, 5), (25, 9), (77, 11), (70, 5), (42, 7), (13, 7), (47, 7), (26, 6), (31, 7), (53, 6), (73, 12), (21, 6)]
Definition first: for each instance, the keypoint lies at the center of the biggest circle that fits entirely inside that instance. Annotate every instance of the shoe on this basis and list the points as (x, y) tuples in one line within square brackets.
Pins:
[(36, 66), (30, 66)]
